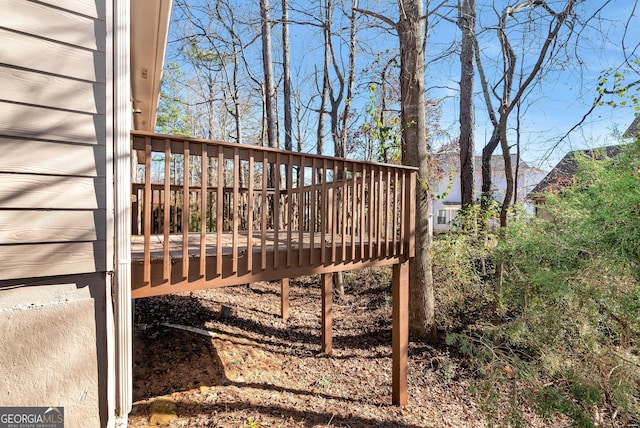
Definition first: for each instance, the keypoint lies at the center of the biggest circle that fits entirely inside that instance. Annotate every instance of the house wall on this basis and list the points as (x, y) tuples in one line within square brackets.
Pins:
[(54, 207), (450, 192)]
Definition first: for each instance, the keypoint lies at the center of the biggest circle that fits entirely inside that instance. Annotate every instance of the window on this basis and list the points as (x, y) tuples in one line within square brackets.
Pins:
[(442, 216)]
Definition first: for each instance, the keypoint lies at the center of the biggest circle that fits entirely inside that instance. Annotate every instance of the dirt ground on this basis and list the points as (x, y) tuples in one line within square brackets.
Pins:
[(256, 370)]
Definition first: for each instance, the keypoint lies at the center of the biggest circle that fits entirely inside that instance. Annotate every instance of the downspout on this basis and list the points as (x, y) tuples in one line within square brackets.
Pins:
[(122, 205)]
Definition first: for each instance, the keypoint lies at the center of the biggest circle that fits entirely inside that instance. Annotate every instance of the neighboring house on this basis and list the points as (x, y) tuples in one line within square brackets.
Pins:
[(449, 201), (634, 129), (563, 174), (71, 74)]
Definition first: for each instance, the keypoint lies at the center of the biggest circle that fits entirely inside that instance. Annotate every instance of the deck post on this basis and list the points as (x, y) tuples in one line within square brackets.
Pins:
[(327, 294), (400, 335), (284, 298)]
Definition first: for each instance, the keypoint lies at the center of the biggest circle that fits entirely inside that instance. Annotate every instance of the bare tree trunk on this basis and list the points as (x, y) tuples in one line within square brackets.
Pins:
[(267, 66), (508, 172), (516, 176), (236, 99), (324, 96), (352, 74), (269, 89), (334, 98), (494, 140), (339, 124), (384, 147), (487, 153), (467, 24), (415, 152), (288, 127)]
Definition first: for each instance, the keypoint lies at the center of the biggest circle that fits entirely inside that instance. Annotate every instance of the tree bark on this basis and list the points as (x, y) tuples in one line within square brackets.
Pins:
[(267, 67), (467, 24), (487, 153), (286, 74), (324, 95), (415, 152), (351, 78)]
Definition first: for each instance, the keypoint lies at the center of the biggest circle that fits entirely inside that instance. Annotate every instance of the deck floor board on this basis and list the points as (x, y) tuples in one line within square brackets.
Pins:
[(176, 241)]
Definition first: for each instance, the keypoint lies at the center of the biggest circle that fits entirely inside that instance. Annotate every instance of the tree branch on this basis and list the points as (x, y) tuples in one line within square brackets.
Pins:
[(376, 15)]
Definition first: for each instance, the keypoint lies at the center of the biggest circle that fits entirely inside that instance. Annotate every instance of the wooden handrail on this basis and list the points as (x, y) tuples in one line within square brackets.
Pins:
[(241, 213)]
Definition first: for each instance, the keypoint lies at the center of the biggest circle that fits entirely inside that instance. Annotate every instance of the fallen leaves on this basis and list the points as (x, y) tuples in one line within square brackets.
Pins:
[(226, 369)]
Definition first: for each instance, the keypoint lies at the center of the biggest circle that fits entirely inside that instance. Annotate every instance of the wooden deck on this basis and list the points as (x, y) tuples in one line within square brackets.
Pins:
[(195, 216), (211, 214), (264, 263)]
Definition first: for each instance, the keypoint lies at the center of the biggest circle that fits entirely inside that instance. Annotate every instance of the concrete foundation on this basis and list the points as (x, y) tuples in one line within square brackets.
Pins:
[(53, 346)]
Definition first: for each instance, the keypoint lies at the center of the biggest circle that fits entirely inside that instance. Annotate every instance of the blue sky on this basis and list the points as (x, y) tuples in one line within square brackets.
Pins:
[(563, 97), (555, 104)]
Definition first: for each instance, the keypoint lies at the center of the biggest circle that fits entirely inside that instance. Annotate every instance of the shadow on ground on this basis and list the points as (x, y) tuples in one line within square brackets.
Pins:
[(188, 367), (167, 360)]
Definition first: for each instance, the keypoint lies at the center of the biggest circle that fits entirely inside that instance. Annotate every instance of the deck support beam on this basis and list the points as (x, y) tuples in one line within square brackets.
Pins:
[(326, 289), (284, 298), (400, 334)]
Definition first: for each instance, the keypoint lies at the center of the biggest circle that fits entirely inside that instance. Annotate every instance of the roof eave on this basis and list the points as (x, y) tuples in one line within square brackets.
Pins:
[(149, 32)]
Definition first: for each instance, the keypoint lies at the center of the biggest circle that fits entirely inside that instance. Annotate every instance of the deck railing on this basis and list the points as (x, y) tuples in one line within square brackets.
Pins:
[(226, 214), (209, 214)]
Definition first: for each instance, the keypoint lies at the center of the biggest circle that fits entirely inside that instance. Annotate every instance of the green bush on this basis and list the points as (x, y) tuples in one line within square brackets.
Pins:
[(463, 265), (569, 301)]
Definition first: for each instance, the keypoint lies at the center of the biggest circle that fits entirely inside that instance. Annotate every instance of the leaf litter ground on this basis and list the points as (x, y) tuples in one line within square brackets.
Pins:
[(250, 368)]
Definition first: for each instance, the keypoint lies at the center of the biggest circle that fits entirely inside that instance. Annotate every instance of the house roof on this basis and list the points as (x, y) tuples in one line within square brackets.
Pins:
[(149, 31), (561, 176), (497, 161), (634, 129)]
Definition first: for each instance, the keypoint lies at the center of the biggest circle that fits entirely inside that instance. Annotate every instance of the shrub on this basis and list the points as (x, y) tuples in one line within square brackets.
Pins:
[(463, 265), (570, 304)]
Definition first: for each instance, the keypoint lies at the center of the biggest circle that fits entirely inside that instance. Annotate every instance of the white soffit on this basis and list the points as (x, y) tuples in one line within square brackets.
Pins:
[(149, 30)]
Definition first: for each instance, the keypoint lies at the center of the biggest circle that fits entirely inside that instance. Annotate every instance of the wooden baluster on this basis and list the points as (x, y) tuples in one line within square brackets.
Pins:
[(395, 213), (354, 212), (403, 214), (236, 209), (250, 215), (276, 211), (325, 219), (345, 213), (372, 204), (186, 212), (166, 217), (387, 213), (413, 176), (334, 207), (312, 213), (147, 211), (361, 209), (301, 210), (263, 213), (290, 207), (203, 210), (219, 210), (380, 212)]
